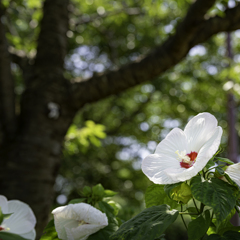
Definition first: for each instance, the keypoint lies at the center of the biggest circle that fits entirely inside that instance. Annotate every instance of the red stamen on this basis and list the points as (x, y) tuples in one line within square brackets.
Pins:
[(1, 228), (184, 165), (192, 155)]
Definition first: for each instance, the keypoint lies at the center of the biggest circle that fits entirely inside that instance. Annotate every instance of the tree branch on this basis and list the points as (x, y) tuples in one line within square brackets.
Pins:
[(217, 24), (167, 55), (7, 97), (95, 16)]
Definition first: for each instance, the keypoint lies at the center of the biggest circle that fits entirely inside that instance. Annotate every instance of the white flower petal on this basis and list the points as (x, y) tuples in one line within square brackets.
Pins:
[(205, 154), (58, 210), (78, 221), (30, 235), (199, 129), (175, 140), (157, 168), (84, 231), (3, 204), (22, 220), (64, 216), (69, 235), (234, 173), (209, 149), (89, 214)]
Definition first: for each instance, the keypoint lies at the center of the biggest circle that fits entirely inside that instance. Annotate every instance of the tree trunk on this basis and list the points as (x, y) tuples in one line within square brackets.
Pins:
[(30, 162)]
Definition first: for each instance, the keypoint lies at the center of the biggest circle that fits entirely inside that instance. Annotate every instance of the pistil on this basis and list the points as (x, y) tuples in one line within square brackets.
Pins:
[(186, 160)]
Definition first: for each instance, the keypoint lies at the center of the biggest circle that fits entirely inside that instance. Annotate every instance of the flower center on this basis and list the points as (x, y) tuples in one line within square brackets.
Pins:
[(81, 222), (186, 160)]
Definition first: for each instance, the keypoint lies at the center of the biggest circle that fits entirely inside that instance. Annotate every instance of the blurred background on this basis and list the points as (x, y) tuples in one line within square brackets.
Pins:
[(108, 139)]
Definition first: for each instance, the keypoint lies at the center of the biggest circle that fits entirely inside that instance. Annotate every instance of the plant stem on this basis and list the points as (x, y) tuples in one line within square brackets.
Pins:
[(183, 218), (195, 205), (237, 209), (189, 213), (212, 215), (202, 207)]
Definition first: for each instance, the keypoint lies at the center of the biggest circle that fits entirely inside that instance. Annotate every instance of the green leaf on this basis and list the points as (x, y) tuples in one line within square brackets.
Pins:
[(87, 191), (225, 160), (77, 200), (155, 195), (222, 226), (179, 192), (105, 233), (182, 193), (149, 224), (169, 187), (10, 236), (106, 208), (199, 226), (192, 210), (230, 235), (232, 228), (230, 181), (98, 191), (115, 206), (215, 193), (220, 171), (6, 216), (1, 216), (109, 193), (34, 3), (210, 163), (109, 210), (5, 3), (49, 233)]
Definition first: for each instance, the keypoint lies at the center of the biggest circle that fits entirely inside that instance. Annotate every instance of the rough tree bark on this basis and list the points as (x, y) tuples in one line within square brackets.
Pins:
[(31, 146)]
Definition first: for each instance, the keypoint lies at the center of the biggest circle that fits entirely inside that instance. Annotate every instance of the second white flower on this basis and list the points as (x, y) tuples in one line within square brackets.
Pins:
[(78, 221)]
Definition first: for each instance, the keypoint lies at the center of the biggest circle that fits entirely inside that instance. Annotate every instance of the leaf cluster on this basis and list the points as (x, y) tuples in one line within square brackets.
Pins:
[(215, 202)]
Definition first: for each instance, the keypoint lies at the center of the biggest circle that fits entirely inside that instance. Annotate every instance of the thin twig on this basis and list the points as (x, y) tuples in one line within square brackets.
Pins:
[(183, 218), (196, 205)]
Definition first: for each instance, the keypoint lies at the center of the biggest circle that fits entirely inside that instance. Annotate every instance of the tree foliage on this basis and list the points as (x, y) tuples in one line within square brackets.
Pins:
[(73, 62)]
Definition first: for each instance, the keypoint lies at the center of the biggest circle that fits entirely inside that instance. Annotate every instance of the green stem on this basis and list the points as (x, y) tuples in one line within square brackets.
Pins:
[(220, 165), (202, 207), (212, 216), (237, 209), (209, 174), (183, 218), (188, 213), (195, 205)]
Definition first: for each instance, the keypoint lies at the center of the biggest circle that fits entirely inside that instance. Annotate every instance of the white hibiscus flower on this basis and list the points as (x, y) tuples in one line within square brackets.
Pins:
[(21, 222), (78, 221), (233, 171), (182, 154)]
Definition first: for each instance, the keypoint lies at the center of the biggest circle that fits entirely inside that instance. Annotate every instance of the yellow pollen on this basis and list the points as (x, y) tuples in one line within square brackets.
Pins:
[(81, 223), (182, 157)]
